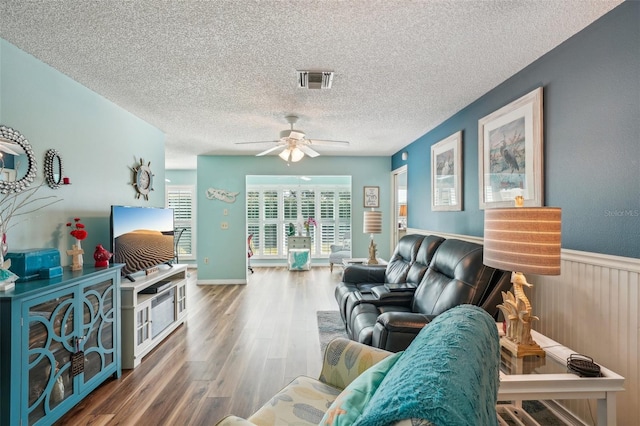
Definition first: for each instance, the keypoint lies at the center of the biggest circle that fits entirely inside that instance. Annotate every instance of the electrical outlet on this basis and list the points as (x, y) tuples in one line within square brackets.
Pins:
[(224, 225), (206, 260)]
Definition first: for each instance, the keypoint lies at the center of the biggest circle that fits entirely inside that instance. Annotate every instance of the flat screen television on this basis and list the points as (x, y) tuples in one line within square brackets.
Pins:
[(141, 237)]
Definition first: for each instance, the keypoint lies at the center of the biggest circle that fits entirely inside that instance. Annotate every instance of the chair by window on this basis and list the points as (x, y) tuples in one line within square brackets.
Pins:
[(340, 251)]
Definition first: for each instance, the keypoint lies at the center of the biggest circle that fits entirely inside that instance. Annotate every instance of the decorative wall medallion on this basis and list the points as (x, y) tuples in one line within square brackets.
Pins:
[(222, 195), (142, 179)]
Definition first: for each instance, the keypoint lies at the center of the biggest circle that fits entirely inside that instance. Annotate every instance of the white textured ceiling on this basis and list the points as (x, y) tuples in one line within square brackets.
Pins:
[(212, 73)]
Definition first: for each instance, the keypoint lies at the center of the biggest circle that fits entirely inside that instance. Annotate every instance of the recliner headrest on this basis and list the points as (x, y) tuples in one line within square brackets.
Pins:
[(427, 249), (403, 258)]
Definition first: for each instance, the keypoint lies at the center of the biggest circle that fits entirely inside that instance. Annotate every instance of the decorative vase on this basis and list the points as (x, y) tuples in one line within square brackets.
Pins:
[(101, 256)]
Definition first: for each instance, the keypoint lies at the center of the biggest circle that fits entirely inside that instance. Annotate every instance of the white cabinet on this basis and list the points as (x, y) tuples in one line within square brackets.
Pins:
[(153, 306), (298, 242)]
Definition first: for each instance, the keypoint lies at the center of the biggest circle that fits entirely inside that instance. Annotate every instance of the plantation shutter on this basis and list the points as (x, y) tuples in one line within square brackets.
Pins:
[(344, 216), (327, 223), (270, 210), (270, 220), (182, 200), (253, 220)]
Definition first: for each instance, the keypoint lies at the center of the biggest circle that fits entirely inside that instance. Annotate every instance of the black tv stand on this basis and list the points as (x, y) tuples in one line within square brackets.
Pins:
[(130, 278), (169, 263)]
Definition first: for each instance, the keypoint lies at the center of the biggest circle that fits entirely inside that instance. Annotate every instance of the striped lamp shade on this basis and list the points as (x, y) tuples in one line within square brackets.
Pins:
[(372, 222), (523, 239)]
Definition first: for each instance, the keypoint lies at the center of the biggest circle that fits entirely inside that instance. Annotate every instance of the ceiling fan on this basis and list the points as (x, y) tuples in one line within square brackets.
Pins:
[(294, 143)]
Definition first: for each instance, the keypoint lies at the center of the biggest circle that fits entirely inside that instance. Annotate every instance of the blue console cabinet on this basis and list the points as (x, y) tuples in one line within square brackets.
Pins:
[(59, 339)]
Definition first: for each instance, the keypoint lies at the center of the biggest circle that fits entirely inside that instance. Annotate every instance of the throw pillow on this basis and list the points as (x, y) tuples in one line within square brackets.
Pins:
[(354, 398)]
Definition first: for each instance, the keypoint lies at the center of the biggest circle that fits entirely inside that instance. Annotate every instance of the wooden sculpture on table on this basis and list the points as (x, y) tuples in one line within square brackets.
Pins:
[(516, 309), (372, 254), (76, 259)]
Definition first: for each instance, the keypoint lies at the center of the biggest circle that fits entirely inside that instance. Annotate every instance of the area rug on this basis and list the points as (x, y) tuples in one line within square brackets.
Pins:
[(330, 326)]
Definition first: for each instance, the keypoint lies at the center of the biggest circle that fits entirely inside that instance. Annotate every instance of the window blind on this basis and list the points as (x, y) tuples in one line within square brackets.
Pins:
[(182, 200)]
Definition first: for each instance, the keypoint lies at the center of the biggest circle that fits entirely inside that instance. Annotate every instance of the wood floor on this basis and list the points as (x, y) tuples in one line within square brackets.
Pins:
[(240, 345)]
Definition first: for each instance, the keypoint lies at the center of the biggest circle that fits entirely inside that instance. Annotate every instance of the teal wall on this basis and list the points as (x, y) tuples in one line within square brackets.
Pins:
[(226, 249), (591, 140), (97, 140), (180, 177)]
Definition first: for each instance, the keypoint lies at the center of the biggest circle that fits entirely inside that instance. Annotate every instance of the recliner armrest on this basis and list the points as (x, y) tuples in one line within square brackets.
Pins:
[(394, 331), (363, 274), (404, 321), (401, 296)]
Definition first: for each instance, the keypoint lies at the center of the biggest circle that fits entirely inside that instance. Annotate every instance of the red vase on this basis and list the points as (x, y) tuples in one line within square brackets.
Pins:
[(102, 256)]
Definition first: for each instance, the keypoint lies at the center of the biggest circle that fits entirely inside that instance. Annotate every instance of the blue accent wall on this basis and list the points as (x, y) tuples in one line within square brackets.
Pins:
[(226, 249), (98, 142), (591, 140)]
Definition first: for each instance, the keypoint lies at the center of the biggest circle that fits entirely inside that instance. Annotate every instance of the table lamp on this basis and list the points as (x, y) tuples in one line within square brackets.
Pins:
[(523, 240), (372, 225)]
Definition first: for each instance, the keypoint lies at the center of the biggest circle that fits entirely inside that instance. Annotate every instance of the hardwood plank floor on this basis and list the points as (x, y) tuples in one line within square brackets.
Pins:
[(239, 346)]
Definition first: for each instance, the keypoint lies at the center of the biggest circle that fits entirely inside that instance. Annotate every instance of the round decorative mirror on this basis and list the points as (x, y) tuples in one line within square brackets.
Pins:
[(17, 176), (53, 168)]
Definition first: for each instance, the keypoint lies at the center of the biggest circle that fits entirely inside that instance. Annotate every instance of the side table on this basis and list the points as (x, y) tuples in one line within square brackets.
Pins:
[(547, 378), (362, 261)]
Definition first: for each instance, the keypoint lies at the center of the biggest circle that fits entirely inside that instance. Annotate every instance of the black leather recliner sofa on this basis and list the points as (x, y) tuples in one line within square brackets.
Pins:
[(401, 289), (363, 277), (390, 315)]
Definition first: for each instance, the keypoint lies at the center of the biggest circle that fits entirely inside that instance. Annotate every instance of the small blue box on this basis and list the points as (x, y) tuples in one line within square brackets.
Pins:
[(27, 264), (46, 273)]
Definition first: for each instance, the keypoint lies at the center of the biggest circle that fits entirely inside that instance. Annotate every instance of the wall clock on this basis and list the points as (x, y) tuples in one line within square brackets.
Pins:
[(142, 179)]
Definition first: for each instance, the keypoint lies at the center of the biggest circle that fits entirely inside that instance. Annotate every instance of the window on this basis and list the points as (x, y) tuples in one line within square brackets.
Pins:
[(182, 200), (272, 207)]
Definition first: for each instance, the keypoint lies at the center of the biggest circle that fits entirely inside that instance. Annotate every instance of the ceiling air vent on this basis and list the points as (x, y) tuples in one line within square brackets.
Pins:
[(315, 79)]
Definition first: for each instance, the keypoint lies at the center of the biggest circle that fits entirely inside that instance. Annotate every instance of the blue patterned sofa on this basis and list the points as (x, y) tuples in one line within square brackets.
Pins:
[(447, 376)]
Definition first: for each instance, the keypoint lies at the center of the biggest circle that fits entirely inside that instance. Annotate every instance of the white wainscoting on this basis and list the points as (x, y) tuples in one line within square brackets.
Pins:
[(592, 308)]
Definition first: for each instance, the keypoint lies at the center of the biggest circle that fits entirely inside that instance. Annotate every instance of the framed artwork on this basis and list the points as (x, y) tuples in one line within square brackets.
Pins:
[(372, 196), (446, 174), (510, 153)]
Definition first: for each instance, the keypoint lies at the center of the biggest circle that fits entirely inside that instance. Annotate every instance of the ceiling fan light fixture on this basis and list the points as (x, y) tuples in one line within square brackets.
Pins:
[(285, 154), (296, 155), (315, 79)]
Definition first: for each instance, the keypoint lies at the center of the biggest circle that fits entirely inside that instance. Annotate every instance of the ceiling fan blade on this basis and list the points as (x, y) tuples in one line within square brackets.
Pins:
[(295, 134), (310, 152), (269, 150), (246, 143), (328, 142)]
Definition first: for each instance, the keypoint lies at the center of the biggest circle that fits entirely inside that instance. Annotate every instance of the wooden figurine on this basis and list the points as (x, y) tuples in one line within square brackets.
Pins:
[(76, 260)]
